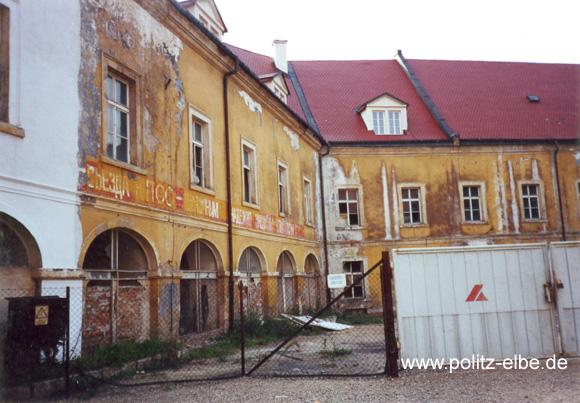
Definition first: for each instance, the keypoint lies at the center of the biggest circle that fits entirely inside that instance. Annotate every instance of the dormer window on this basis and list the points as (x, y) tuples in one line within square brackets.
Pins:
[(385, 115), (207, 13), (277, 84), (395, 122), (379, 122)]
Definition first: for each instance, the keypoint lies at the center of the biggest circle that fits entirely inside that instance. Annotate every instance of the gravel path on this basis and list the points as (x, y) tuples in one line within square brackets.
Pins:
[(412, 386)]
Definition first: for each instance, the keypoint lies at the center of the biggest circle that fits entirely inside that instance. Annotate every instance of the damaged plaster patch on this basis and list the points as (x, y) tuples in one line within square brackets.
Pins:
[(336, 179), (151, 141), (500, 201), (151, 31), (180, 105), (394, 192), (253, 105), (514, 203), (294, 139), (386, 202), (535, 170)]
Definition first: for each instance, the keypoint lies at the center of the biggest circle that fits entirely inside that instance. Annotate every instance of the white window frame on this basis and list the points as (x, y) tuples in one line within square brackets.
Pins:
[(308, 201), (345, 216), (420, 199), (378, 122), (539, 196), (382, 107), (197, 117), (481, 198), (283, 189), (251, 168), (128, 76), (395, 125), (116, 108), (349, 274)]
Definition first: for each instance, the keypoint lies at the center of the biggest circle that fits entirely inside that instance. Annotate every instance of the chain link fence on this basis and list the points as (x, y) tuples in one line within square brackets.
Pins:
[(345, 337), (132, 330)]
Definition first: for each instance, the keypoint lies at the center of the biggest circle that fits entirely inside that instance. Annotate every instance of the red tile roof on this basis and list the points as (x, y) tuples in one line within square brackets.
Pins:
[(487, 100), (259, 64), (264, 65), (479, 100), (335, 89)]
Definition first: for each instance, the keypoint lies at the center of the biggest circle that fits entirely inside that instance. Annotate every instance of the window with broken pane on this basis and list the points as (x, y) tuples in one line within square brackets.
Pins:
[(348, 206)]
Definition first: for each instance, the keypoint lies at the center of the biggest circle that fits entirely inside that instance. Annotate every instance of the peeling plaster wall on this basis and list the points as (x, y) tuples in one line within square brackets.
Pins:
[(132, 37), (335, 178), (180, 73), (501, 170)]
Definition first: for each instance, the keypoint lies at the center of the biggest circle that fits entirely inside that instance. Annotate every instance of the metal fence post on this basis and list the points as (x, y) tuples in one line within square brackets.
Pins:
[(391, 366), (67, 346), (171, 311), (242, 335)]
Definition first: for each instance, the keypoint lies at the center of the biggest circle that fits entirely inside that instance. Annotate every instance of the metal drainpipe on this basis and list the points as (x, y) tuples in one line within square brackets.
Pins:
[(323, 211), (229, 196), (559, 192)]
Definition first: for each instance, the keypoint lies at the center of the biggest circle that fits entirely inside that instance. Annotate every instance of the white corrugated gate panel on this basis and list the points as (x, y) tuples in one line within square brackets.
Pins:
[(436, 321), (566, 265)]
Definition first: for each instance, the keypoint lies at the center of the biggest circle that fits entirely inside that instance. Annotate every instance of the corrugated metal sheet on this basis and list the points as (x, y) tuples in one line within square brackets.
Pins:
[(566, 266), (473, 301)]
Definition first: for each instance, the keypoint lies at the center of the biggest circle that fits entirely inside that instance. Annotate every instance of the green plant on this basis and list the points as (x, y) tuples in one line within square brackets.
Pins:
[(219, 350), (335, 352), (118, 354), (359, 319)]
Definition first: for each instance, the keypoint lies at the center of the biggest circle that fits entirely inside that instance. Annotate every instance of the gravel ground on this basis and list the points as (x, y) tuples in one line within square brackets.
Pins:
[(497, 385)]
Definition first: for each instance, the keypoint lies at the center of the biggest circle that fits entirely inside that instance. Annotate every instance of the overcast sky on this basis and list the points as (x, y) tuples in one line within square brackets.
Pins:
[(493, 30)]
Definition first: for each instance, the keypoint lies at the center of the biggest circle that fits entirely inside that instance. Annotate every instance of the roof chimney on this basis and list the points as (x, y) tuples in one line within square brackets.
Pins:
[(280, 59)]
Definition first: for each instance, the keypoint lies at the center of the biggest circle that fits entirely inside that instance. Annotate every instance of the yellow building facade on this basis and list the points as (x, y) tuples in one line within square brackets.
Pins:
[(444, 177), (194, 176)]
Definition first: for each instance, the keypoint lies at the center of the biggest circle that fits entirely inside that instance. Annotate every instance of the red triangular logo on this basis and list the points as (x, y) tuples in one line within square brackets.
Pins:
[(481, 297), (476, 294)]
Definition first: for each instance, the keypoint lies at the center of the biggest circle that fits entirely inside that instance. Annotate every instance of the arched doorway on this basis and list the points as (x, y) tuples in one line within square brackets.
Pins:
[(250, 268), (19, 253), (312, 294), (198, 288), (116, 302), (285, 269)]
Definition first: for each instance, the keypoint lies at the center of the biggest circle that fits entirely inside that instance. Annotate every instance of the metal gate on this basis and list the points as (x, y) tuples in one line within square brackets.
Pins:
[(492, 301), (331, 346), (565, 258)]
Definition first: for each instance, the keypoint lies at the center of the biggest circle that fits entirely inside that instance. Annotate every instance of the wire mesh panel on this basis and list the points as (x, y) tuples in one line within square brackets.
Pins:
[(132, 330), (347, 337), (182, 335)]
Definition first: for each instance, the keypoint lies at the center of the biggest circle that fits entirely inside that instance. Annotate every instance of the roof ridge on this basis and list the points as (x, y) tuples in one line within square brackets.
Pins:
[(422, 92), (301, 97)]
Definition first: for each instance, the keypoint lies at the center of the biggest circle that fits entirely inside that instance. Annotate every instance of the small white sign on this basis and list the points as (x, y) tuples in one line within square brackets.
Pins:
[(336, 280)]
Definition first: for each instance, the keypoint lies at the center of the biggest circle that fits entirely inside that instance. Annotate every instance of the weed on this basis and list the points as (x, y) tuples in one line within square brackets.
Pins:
[(335, 352), (359, 319), (115, 355), (219, 350)]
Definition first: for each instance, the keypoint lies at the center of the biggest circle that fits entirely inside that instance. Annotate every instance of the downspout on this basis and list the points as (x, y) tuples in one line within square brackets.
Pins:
[(229, 196), (323, 211), (559, 192)]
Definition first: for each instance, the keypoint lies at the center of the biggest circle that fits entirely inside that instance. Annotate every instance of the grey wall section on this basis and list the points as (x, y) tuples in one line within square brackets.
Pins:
[(469, 301), (566, 267)]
